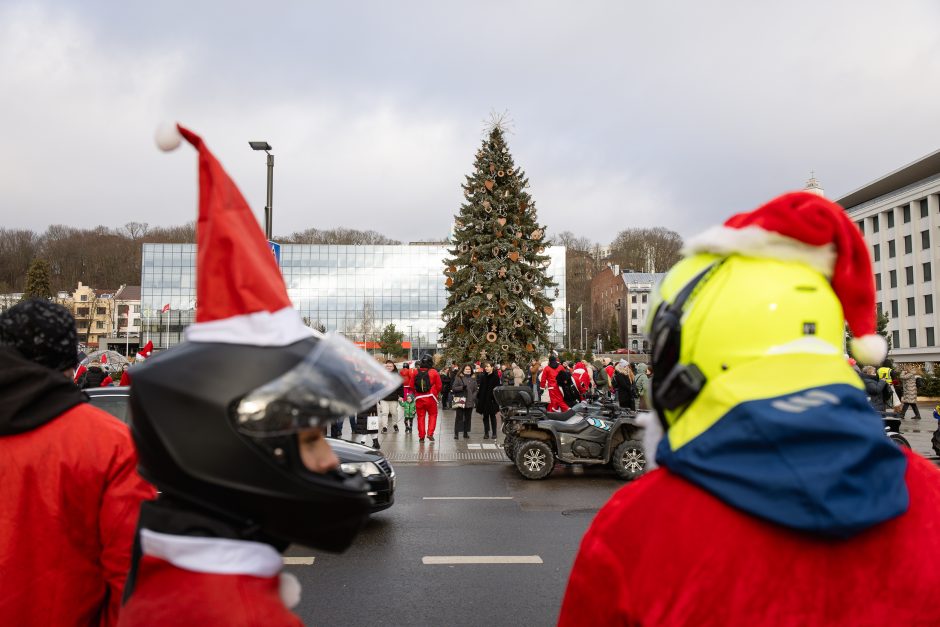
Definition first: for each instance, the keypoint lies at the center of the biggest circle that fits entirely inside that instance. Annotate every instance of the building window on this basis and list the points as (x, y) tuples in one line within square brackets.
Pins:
[(874, 224), (930, 339), (136, 308), (908, 245), (634, 329), (876, 250), (907, 214), (928, 303), (633, 298), (924, 240), (909, 274), (879, 309), (878, 281), (643, 298), (928, 274), (912, 338), (633, 314), (83, 311), (894, 309), (99, 311), (896, 338), (891, 250), (890, 215), (84, 297), (892, 278), (923, 208), (861, 226), (910, 306), (99, 325)]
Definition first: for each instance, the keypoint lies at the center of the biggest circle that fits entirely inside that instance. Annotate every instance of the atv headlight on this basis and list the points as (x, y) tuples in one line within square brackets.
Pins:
[(366, 469)]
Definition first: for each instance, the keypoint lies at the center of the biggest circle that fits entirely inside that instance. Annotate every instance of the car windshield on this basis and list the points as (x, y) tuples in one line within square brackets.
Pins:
[(114, 405)]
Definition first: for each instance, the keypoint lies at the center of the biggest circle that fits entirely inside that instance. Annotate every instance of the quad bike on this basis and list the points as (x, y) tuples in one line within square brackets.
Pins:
[(893, 430), (590, 434)]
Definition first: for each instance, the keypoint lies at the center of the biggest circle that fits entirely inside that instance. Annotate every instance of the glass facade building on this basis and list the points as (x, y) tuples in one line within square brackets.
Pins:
[(356, 290)]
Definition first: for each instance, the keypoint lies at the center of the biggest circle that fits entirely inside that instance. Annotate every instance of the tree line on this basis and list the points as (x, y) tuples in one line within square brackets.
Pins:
[(107, 258)]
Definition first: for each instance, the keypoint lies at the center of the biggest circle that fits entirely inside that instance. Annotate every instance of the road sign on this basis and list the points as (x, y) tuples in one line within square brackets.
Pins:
[(276, 251)]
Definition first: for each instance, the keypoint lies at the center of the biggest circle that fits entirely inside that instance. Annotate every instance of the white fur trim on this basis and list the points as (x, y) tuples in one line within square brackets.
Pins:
[(289, 589), (217, 556), (753, 241), (261, 328), (652, 435), (869, 349), (168, 137)]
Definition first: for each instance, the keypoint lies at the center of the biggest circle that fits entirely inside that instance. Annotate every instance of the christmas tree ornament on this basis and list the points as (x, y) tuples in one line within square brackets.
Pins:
[(476, 313), (491, 337), (523, 204), (517, 322), (478, 289), (500, 174), (506, 194), (486, 204), (492, 168), (518, 234), (549, 310), (505, 347), (529, 347), (528, 276), (452, 269), (525, 248), (449, 282), (556, 292), (546, 262), (502, 221), (516, 288), (537, 234), (502, 272), (514, 256), (499, 233), (489, 184), (533, 291)]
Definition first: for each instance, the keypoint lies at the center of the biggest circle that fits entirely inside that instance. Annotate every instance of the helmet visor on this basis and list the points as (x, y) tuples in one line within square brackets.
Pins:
[(336, 379)]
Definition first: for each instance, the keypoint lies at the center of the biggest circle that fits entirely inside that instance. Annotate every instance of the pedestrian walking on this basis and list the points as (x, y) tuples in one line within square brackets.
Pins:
[(367, 426), (549, 381), (464, 388), (601, 380), (518, 376), (125, 375), (409, 411), (582, 378), (878, 391), (486, 404), (909, 392), (70, 489), (445, 387), (641, 385), (388, 407), (535, 369), (95, 377), (427, 386), (567, 386)]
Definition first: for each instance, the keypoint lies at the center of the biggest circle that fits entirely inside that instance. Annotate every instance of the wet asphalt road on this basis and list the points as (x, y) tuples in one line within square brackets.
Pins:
[(382, 580)]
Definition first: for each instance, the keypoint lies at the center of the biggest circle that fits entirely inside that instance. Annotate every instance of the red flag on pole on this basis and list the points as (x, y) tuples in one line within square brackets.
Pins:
[(166, 308)]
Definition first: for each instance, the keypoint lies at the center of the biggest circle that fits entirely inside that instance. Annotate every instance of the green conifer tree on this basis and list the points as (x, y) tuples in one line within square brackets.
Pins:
[(499, 294), (37, 281)]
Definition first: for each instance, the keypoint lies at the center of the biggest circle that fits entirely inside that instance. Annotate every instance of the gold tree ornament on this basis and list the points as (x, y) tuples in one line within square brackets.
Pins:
[(500, 174), (489, 184), (502, 221), (505, 347), (537, 234), (530, 348), (449, 282), (489, 296), (491, 337), (514, 256), (549, 310)]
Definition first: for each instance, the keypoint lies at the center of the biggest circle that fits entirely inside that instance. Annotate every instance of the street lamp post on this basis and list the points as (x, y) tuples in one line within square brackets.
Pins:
[(269, 206)]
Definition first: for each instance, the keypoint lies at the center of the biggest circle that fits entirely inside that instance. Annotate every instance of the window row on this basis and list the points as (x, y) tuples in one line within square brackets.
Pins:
[(911, 306), (926, 273), (889, 216), (929, 338)]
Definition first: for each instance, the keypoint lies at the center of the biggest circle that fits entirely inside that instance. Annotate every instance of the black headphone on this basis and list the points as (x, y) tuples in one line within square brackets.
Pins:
[(674, 384)]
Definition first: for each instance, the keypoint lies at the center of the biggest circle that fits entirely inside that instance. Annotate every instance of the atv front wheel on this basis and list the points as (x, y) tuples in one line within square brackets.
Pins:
[(534, 459), (508, 445), (629, 459), (900, 440)]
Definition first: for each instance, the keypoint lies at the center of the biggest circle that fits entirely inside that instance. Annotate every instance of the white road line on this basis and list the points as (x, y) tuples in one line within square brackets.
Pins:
[(481, 559), (488, 445), (299, 561), (467, 498), (474, 446)]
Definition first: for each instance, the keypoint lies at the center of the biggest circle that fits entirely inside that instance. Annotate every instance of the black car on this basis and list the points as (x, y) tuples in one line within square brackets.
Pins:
[(353, 457)]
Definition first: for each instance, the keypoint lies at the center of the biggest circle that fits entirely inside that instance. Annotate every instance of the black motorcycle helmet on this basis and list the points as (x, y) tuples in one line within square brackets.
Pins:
[(215, 427), (427, 361)]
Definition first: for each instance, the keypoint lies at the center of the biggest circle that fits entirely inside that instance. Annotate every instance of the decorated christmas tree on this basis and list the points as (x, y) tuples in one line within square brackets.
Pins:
[(499, 294)]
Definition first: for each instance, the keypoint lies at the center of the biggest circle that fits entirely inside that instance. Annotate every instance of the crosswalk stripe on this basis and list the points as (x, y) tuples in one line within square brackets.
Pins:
[(467, 498), (480, 559), (299, 561)]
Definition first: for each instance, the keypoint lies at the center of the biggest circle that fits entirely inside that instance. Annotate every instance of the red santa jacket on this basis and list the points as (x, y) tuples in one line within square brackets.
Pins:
[(436, 384), (69, 501), (666, 552), (187, 580), (549, 376), (581, 377)]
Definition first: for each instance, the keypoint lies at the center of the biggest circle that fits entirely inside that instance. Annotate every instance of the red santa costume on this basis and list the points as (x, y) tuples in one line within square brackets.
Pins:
[(426, 402), (581, 377), (779, 501), (556, 401), (69, 499)]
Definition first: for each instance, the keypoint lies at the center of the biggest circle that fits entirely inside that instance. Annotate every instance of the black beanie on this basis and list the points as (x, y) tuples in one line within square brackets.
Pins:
[(42, 332)]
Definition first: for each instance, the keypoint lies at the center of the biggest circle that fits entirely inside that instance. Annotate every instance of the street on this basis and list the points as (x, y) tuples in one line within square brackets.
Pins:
[(451, 512)]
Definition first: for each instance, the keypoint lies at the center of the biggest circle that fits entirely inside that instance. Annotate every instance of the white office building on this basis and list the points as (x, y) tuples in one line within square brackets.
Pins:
[(899, 216)]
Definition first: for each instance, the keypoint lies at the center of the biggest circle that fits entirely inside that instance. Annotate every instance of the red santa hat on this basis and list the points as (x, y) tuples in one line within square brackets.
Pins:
[(805, 227), (146, 351), (241, 294)]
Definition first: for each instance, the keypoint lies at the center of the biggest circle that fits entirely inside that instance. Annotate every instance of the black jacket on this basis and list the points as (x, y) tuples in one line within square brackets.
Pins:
[(878, 392), (567, 387), (486, 403), (394, 395), (32, 394), (465, 385)]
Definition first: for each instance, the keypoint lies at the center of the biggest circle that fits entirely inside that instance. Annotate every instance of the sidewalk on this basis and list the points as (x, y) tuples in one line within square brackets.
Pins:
[(919, 432), (404, 447)]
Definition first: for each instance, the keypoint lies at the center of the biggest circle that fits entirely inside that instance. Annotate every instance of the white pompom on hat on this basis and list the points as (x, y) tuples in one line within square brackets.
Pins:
[(168, 137), (805, 227)]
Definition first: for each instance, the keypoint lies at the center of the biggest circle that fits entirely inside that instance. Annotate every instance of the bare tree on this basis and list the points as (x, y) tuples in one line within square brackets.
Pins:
[(337, 236), (646, 250)]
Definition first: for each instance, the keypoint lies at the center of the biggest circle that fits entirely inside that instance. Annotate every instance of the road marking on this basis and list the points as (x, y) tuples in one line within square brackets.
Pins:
[(481, 559), (467, 498), (474, 446), (488, 445), (299, 561)]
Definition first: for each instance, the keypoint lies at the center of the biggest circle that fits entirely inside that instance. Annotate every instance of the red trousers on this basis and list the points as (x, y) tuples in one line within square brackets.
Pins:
[(556, 402), (426, 406)]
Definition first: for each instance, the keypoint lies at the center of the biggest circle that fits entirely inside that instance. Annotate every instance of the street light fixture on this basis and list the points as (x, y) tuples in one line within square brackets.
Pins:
[(269, 207)]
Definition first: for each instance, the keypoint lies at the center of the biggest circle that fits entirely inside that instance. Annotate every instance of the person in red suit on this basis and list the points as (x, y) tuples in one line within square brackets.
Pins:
[(778, 499), (71, 491), (427, 385), (556, 401), (258, 385), (581, 377)]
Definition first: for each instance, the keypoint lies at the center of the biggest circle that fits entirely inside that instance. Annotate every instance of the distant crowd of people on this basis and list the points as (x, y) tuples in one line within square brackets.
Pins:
[(468, 389)]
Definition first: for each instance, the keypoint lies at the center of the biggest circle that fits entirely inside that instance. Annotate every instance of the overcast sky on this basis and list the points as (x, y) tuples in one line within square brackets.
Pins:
[(671, 114)]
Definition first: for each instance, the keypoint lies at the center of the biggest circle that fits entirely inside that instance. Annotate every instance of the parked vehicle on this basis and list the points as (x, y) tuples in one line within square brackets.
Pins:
[(370, 463), (590, 433), (893, 430)]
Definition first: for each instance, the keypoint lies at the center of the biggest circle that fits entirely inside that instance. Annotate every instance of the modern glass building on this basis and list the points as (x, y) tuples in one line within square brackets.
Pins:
[(356, 290)]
